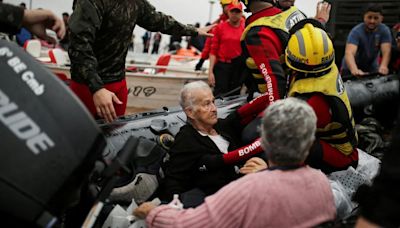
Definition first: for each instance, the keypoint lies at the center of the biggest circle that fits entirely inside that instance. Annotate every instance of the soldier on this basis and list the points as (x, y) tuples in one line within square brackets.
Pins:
[(101, 32)]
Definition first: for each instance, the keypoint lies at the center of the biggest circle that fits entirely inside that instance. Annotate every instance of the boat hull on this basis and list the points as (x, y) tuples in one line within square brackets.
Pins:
[(148, 91)]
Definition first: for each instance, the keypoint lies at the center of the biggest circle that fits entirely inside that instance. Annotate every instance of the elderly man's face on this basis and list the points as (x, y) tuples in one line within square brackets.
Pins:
[(204, 111)]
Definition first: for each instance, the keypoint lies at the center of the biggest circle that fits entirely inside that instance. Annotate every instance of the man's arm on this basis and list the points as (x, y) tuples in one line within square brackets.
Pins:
[(10, 18), (153, 20), (349, 55), (383, 67), (215, 42), (264, 46), (84, 23)]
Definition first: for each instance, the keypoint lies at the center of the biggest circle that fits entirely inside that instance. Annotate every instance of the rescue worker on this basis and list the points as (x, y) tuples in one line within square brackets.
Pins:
[(205, 53), (263, 44), (316, 79), (101, 33), (224, 73)]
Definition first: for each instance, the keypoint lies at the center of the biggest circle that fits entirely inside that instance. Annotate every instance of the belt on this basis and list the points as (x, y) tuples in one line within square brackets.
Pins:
[(225, 60)]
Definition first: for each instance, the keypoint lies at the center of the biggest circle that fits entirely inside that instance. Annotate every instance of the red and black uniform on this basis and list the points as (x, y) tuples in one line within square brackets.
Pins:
[(336, 139), (263, 43), (226, 47), (323, 155), (205, 53), (262, 48)]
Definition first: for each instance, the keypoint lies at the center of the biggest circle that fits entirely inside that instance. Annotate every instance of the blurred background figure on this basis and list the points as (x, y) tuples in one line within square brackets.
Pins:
[(198, 41), (23, 35), (156, 42), (174, 43), (64, 43), (146, 41)]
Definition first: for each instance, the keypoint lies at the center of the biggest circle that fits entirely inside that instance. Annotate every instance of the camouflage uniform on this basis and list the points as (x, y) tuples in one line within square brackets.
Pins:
[(101, 32), (10, 18)]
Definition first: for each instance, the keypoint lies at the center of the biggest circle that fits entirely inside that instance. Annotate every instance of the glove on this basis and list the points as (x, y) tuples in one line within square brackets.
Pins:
[(199, 64)]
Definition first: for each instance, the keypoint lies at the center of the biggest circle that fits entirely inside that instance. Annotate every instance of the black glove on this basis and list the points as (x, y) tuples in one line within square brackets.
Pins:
[(199, 64)]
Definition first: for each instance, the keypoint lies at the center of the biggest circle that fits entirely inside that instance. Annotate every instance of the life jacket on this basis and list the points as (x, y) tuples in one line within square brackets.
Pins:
[(340, 131), (281, 24)]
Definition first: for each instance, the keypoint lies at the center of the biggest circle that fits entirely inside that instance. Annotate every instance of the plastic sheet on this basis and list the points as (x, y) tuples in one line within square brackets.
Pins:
[(345, 183)]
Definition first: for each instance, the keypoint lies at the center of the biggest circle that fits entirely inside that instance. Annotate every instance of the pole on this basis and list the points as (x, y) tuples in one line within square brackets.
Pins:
[(211, 9), (30, 4)]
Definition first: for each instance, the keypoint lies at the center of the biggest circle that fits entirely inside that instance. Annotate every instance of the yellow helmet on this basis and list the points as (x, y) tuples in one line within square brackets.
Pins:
[(310, 50), (225, 2)]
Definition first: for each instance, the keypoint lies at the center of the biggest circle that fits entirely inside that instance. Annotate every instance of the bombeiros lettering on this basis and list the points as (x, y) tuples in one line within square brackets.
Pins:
[(249, 148), (22, 126)]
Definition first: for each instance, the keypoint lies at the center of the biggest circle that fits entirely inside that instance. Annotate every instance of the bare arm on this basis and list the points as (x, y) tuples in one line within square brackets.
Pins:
[(350, 54), (383, 67), (211, 76), (37, 21)]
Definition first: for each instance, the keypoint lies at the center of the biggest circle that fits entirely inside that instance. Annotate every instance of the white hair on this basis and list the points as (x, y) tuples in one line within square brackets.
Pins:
[(288, 131), (186, 98)]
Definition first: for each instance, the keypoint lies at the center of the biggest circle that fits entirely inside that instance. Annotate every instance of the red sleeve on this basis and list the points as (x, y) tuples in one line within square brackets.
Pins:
[(243, 153), (264, 46), (249, 111), (215, 40), (321, 109), (205, 53)]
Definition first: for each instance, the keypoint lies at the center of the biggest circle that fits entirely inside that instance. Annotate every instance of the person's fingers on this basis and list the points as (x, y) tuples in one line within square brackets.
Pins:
[(328, 9), (111, 112), (98, 111), (116, 100), (106, 114), (246, 170), (50, 39), (59, 28), (138, 213)]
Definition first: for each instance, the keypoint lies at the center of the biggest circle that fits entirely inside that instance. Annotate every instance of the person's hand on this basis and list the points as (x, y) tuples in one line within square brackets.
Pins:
[(253, 165), (323, 11), (357, 72), (383, 70), (211, 78), (204, 31), (143, 210), (37, 21), (103, 102), (199, 64)]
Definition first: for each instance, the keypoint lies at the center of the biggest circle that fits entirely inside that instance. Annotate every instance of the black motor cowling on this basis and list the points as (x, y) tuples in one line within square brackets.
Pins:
[(48, 143)]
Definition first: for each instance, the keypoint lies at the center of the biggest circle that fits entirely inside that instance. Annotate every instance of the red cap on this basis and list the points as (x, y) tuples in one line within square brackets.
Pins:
[(235, 5)]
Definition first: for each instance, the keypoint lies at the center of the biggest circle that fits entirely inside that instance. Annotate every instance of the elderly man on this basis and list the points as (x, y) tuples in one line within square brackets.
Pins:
[(196, 158), (269, 198)]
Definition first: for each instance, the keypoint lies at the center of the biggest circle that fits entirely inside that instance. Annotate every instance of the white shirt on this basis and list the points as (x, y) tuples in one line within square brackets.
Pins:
[(220, 141)]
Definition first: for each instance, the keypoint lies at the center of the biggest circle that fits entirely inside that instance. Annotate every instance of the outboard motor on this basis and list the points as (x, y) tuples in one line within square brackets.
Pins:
[(49, 142)]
